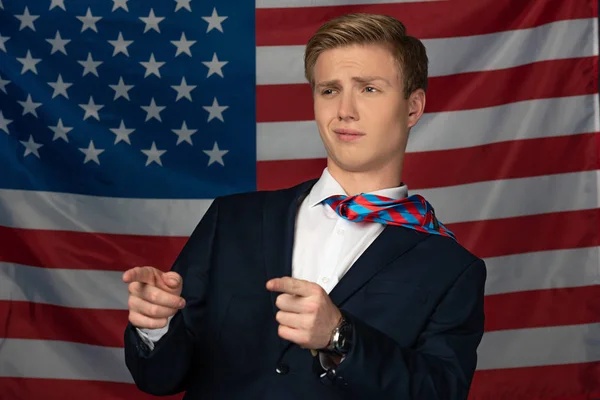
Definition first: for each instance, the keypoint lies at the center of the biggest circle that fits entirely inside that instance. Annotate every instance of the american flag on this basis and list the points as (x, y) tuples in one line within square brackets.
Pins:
[(120, 120)]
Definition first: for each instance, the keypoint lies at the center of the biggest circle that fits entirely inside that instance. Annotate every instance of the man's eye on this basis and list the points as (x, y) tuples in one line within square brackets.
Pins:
[(327, 91), (370, 89)]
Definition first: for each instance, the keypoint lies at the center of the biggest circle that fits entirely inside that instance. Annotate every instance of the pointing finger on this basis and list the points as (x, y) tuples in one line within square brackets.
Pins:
[(291, 286), (156, 295)]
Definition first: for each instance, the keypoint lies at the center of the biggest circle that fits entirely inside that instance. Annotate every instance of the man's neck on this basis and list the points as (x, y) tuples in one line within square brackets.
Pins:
[(365, 182)]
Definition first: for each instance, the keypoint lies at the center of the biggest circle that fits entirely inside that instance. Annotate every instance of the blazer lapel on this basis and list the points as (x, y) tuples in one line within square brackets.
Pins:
[(392, 243), (279, 223)]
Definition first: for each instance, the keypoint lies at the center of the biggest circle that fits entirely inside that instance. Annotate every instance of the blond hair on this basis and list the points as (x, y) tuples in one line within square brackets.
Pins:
[(351, 29)]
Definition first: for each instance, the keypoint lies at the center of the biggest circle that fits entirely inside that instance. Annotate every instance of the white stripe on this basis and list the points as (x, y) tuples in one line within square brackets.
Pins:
[(63, 287), (500, 349), (539, 346), (81, 213), (461, 203), (542, 270), (328, 3), (513, 197), (448, 130), (105, 289), (448, 56), (49, 359)]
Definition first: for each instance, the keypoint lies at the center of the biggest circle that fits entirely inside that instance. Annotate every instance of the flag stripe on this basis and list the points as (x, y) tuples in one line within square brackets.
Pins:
[(543, 270), (557, 382), (101, 289), (87, 251), (504, 312), (467, 91), (519, 159), (535, 195), (280, 65), (542, 232), (568, 306), (560, 382), (61, 389), (49, 322), (578, 229), (529, 195), (294, 26), (521, 348), (278, 141)]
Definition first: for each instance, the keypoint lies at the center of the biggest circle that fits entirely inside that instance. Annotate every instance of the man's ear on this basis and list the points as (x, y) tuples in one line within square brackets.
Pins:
[(416, 107)]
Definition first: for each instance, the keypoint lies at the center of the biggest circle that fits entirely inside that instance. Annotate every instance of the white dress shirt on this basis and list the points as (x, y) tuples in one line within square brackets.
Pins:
[(326, 245)]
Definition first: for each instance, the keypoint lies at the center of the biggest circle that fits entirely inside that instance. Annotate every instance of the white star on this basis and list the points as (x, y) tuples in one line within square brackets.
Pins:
[(91, 153), (29, 106), (91, 109), (89, 65), (183, 45), (215, 110), (214, 66), (29, 63), (184, 90), (3, 84), (214, 21), (216, 155), (3, 40), (121, 89), (184, 134), (58, 3), (120, 45), (60, 87), (31, 147), (60, 131), (153, 111), (89, 21), (122, 133), (58, 44), (4, 122), (153, 155), (120, 4), (152, 66), (152, 21), (27, 20), (183, 4)]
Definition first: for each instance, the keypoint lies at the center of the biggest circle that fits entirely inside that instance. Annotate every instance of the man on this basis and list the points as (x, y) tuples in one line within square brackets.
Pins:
[(304, 293)]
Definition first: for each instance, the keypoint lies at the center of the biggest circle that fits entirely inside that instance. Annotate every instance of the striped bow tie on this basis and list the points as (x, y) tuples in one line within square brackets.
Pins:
[(413, 212)]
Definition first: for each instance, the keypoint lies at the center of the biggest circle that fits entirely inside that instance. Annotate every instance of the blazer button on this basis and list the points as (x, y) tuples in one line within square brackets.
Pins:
[(282, 369)]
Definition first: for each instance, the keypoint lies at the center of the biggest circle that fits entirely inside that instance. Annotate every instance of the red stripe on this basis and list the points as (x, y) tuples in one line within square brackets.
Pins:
[(488, 238), (430, 169), (531, 309), (540, 80), (552, 231), (78, 250), (542, 308), (27, 320), (294, 26), (61, 389), (556, 382)]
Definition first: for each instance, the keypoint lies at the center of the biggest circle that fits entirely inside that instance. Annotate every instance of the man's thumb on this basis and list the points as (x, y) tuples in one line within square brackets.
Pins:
[(172, 279)]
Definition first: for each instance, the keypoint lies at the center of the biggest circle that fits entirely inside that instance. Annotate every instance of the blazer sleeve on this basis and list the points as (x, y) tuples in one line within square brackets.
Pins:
[(442, 363), (166, 369)]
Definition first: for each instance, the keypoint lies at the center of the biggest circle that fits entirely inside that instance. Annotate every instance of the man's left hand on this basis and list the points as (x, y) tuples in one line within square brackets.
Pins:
[(306, 315)]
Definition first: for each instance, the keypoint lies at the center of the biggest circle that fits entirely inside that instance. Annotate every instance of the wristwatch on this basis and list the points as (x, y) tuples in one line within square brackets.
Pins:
[(341, 339)]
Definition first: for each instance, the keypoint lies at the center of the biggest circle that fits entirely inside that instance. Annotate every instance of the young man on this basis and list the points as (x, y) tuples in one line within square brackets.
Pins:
[(312, 292)]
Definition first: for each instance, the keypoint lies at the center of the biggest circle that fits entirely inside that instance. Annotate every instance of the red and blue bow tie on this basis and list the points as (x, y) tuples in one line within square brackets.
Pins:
[(413, 212)]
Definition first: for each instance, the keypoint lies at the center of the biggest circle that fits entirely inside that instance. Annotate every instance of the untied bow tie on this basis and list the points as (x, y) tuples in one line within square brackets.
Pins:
[(413, 212)]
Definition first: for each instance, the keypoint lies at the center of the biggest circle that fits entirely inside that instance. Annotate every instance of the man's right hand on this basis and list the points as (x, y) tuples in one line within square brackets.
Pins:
[(154, 296)]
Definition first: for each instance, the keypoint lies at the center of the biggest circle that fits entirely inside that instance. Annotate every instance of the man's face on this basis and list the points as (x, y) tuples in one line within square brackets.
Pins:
[(360, 109)]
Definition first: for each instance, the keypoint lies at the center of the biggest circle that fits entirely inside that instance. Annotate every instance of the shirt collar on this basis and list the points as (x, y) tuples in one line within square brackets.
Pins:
[(327, 186)]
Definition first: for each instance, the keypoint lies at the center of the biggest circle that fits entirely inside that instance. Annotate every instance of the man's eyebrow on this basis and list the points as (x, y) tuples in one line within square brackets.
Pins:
[(366, 79), (359, 79)]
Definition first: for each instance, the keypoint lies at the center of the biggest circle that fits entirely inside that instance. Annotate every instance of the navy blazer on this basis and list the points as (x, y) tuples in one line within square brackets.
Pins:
[(415, 301)]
